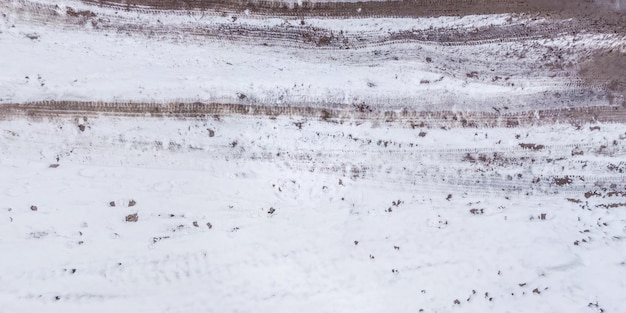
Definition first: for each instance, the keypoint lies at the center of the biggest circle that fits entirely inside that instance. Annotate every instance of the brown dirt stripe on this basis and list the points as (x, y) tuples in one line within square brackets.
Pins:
[(339, 114), (411, 8)]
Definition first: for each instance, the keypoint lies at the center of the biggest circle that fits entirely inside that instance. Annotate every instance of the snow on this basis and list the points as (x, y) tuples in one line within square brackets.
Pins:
[(347, 215), (302, 256), (74, 62)]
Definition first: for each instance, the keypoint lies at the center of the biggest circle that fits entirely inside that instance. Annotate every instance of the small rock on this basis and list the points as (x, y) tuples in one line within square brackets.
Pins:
[(211, 132), (54, 165), (157, 239), (132, 203), (209, 225), (81, 127), (195, 224), (112, 203), (271, 211), (32, 36), (457, 301), (33, 208), (132, 217)]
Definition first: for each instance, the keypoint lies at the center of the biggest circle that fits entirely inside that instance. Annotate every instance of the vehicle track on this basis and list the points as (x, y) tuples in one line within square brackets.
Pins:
[(570, 168), (404, 142), (335, 113), (459, 51), (301, 36), (527, 29), (413, 8)]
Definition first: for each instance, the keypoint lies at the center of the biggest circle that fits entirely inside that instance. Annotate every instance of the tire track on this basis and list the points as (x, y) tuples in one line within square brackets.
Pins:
[(524, 34), (303, 36), (413, 8), (492, 169), (146, 271), (330, 112)]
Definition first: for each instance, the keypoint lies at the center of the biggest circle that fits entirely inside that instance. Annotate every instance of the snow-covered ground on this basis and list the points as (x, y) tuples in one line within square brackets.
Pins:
[(286, 217), (117, 56), (104, 211)]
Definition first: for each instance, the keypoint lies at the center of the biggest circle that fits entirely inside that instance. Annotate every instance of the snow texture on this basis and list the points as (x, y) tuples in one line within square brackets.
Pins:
[(103, 212)]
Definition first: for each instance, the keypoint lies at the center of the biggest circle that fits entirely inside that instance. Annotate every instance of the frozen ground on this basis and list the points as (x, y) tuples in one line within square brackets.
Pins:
[(284, 226), (379, 164), (477, 62)]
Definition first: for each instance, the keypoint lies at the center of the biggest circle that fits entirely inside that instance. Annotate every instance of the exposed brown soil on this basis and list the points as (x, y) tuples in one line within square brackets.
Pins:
[(608, 65), (412, 8), (578, 15), (429, 119), (132, 217), (306, 36)]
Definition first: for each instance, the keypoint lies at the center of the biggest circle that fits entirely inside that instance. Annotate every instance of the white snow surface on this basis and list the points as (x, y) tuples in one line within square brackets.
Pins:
[(349, 217), (76, 253)]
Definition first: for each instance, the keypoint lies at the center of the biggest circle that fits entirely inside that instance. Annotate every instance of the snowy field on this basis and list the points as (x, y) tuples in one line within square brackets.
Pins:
[(474, 62), (354, 227), (425, 164)]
